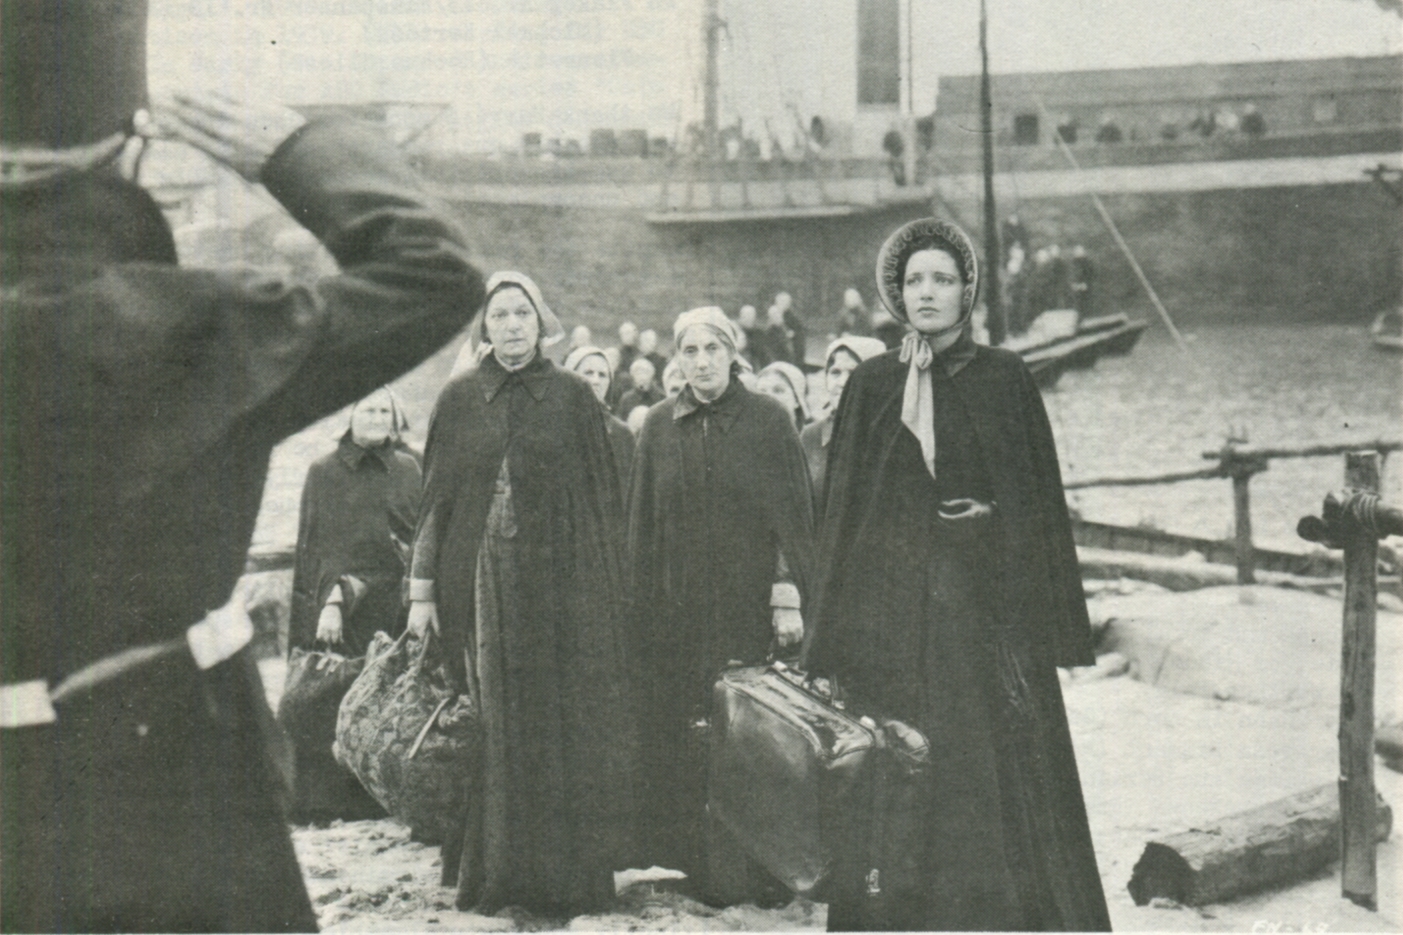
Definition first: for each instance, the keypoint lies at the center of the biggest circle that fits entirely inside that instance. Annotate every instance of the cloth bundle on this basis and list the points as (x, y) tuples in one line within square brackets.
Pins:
[(409, 735)]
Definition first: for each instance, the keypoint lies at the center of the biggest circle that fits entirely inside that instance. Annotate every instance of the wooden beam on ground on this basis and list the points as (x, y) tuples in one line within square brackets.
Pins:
[(1271, 845)]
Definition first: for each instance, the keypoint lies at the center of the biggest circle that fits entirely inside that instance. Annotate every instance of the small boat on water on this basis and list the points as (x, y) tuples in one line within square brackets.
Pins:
[(1387, 330), (1060, 340)]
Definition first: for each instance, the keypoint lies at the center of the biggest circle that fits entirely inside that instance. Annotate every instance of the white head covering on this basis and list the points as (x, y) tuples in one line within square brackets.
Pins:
[(578, 355), (795, 378), (477, 346), (399, 420), (860, 347), (708, 316), (918, 401)]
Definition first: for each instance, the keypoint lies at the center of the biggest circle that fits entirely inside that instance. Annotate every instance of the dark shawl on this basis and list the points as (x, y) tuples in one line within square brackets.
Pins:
[(353, 502), (570, 765), (718, 492), (972, 662), (141, 402), (875, 489), (716, 495), (621, 441)]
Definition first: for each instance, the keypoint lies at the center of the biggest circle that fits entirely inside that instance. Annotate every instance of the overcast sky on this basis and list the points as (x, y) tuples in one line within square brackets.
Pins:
[(564, 65)]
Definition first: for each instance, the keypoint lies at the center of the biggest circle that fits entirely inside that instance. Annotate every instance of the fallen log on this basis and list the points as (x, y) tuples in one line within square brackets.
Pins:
[(1272, 844)]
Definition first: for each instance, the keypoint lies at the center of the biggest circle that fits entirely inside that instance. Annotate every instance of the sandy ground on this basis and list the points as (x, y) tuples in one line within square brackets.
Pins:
[(1154, 759)]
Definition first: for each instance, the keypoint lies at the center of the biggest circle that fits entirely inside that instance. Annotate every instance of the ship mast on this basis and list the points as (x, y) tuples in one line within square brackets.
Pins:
[(712, 25), (992, 254)]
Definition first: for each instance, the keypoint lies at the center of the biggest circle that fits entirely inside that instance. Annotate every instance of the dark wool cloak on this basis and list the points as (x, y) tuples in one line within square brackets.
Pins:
[(353, 502), (141, 402), (935, 631), (718, 492), (622, 442), (557, 805)]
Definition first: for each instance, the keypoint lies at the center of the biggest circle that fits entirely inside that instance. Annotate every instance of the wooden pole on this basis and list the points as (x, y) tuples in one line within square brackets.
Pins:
[(1358, 869), (993, 255), (1242, 528), (711, 78)]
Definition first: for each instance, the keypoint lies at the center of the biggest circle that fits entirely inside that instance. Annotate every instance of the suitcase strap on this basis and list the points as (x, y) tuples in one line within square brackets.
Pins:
[(875, 831)]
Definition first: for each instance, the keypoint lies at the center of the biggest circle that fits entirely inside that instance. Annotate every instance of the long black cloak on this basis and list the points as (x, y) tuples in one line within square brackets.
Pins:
[(557, 809), (718, 493), (353, 502), (936, 632)]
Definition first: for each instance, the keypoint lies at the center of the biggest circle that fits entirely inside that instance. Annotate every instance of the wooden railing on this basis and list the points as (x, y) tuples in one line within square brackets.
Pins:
[(1238, 463)]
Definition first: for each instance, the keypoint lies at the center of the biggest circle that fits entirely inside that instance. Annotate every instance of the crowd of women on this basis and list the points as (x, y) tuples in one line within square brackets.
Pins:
[(587, 578)]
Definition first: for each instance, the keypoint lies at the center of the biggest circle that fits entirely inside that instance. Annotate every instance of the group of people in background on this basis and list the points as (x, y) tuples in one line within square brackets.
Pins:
[(1046, 280), (586, 580)]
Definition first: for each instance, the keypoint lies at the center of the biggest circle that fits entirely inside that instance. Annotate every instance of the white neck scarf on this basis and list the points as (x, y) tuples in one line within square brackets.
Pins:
[(918, 401)]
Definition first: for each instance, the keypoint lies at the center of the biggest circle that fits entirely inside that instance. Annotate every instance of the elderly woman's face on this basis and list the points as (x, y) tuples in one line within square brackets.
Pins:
[(840, 367), (373, 419), (512, 326), (932, 290), (772, 384), (595, 370), (705, 361)]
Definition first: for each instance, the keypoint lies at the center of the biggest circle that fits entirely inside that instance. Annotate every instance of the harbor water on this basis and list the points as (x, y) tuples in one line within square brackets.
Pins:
[(1152, 412)]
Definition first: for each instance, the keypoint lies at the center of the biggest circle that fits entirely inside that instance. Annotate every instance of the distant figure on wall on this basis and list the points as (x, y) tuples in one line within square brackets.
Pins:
[(1253, 123), (1083, 277), (895, 147), (1109, 131), (1204, 124)]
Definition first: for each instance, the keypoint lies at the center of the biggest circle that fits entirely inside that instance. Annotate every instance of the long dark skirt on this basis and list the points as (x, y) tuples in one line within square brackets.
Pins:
[(1006, 839), (521, 843)]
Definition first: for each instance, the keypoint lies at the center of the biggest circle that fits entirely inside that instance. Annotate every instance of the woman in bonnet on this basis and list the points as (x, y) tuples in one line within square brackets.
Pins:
[(517, 567), (950, 596)]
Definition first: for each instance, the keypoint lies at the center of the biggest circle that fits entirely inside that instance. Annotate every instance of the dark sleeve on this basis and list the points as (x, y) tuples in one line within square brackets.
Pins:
[(622, 442), (1071, 641), (851, 470), (442, 481), (640, 533), (210, 348), (792, 499), (306, 568)]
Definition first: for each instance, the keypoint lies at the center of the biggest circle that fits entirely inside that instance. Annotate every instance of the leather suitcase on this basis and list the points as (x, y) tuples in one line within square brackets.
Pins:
[(786, 771)]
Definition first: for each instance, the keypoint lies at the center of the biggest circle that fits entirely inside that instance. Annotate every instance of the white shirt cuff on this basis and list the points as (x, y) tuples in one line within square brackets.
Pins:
[(421, 589), (784, 594)]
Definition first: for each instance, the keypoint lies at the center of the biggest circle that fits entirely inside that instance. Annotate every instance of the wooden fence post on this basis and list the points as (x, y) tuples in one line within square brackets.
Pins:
[(1358, 870), (1240, 466), (1242, 528)]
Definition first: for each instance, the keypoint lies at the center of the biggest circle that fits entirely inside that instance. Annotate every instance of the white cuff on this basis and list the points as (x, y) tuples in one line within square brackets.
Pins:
[(784, 594), (335, 596), (421, 589), (26, 704), (220, 635)]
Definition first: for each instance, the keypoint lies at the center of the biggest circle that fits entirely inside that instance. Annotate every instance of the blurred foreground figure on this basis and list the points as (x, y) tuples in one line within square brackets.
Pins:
[(141, 780)]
